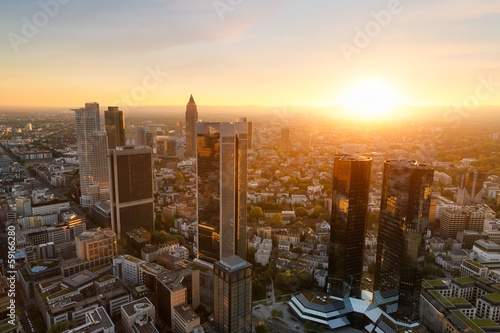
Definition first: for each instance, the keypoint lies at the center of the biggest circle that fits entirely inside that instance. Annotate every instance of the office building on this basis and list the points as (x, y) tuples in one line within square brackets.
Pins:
[(178, 128), (115, 127), (127, 269), (455, 220), (404, 215), (351, 187), (222, 189), (186, 320), (140, 136), (166, 147), (285, 138), (131, 187), (470, 188), (23, 206), (139, 316), (96, 321), (97, 246), (233, 295), (87, 122), (174, 289), (191, 119), (100, 174)]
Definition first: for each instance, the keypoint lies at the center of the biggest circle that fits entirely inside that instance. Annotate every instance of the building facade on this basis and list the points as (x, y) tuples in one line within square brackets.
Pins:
[(222, 189), (191, 119), (114, 122), (351, 187), (404, 214), (131, 185), (233, 295)]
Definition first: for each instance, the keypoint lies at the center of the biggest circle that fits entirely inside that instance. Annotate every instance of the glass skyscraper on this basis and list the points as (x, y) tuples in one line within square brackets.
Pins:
[(131, 185), (115, 127), (222, 189), (404, 216), (233, 295), (351, 186)]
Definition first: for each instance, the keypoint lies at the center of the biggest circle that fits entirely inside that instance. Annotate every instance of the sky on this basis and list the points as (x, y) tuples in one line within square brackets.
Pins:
[(248, 52)]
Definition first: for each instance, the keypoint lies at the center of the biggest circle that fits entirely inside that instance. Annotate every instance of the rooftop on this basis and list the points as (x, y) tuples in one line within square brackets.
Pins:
[(233, 263)]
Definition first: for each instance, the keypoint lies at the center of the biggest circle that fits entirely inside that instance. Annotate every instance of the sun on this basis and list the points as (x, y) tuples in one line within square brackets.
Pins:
[(371, 99)]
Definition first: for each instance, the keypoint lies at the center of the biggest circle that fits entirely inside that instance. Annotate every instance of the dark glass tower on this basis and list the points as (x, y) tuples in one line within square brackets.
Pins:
[(131, 185), (221, 189), (404, 216), (470, 189), (115, 127), (351, 187), (233, 295), (191, 119)]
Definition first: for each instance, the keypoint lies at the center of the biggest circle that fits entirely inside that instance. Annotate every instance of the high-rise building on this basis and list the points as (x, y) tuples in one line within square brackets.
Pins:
[(470, 189), (115, 127), (221, 189), (233, 295), (100, 174), (191, 119), (285, 138), (140, 136), (351, 187), (166, 146), (455, 220), (404, 216), (87, 122), (131, 187), (178, 128)]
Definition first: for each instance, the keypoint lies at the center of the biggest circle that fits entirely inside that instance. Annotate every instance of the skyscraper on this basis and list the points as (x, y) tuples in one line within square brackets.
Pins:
[(404, 215), (100, 175), (87, 122), (233, 295), (470, 188), (191, 119), (285, 138), (131, 185), (140, 136), (351, 187), (221, 189), (115, 127)]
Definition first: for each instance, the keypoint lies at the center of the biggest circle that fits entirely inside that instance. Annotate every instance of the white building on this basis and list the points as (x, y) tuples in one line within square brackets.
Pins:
[(127, 269)]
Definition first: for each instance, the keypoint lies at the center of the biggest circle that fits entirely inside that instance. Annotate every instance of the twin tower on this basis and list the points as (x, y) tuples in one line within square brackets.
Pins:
[(404, 216)]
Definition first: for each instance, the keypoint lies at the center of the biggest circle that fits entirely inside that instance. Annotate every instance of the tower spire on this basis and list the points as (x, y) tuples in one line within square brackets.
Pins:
[(191, 100)]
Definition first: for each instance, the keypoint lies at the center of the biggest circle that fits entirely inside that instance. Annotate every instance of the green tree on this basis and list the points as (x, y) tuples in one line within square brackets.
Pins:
[(310, 326), (317, 211), (61, 327), (261, 328), (371, 268), (256, 213), (300, 212), (179, 176), (448, 194), (429, 258), (428, 271), (292, 181), (277, 313), (276, 219), (251, 255), (297, 249)]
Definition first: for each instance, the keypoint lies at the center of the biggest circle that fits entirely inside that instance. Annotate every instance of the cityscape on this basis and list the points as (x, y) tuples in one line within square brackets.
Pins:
[(231, 166)]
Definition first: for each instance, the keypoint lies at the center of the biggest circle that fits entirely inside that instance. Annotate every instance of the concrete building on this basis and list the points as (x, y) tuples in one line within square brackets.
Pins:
[(97, 246), (127, 268), (139, 316)]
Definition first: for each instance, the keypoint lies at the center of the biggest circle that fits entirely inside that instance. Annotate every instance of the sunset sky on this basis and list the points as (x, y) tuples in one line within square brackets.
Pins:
[(261, 52)]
